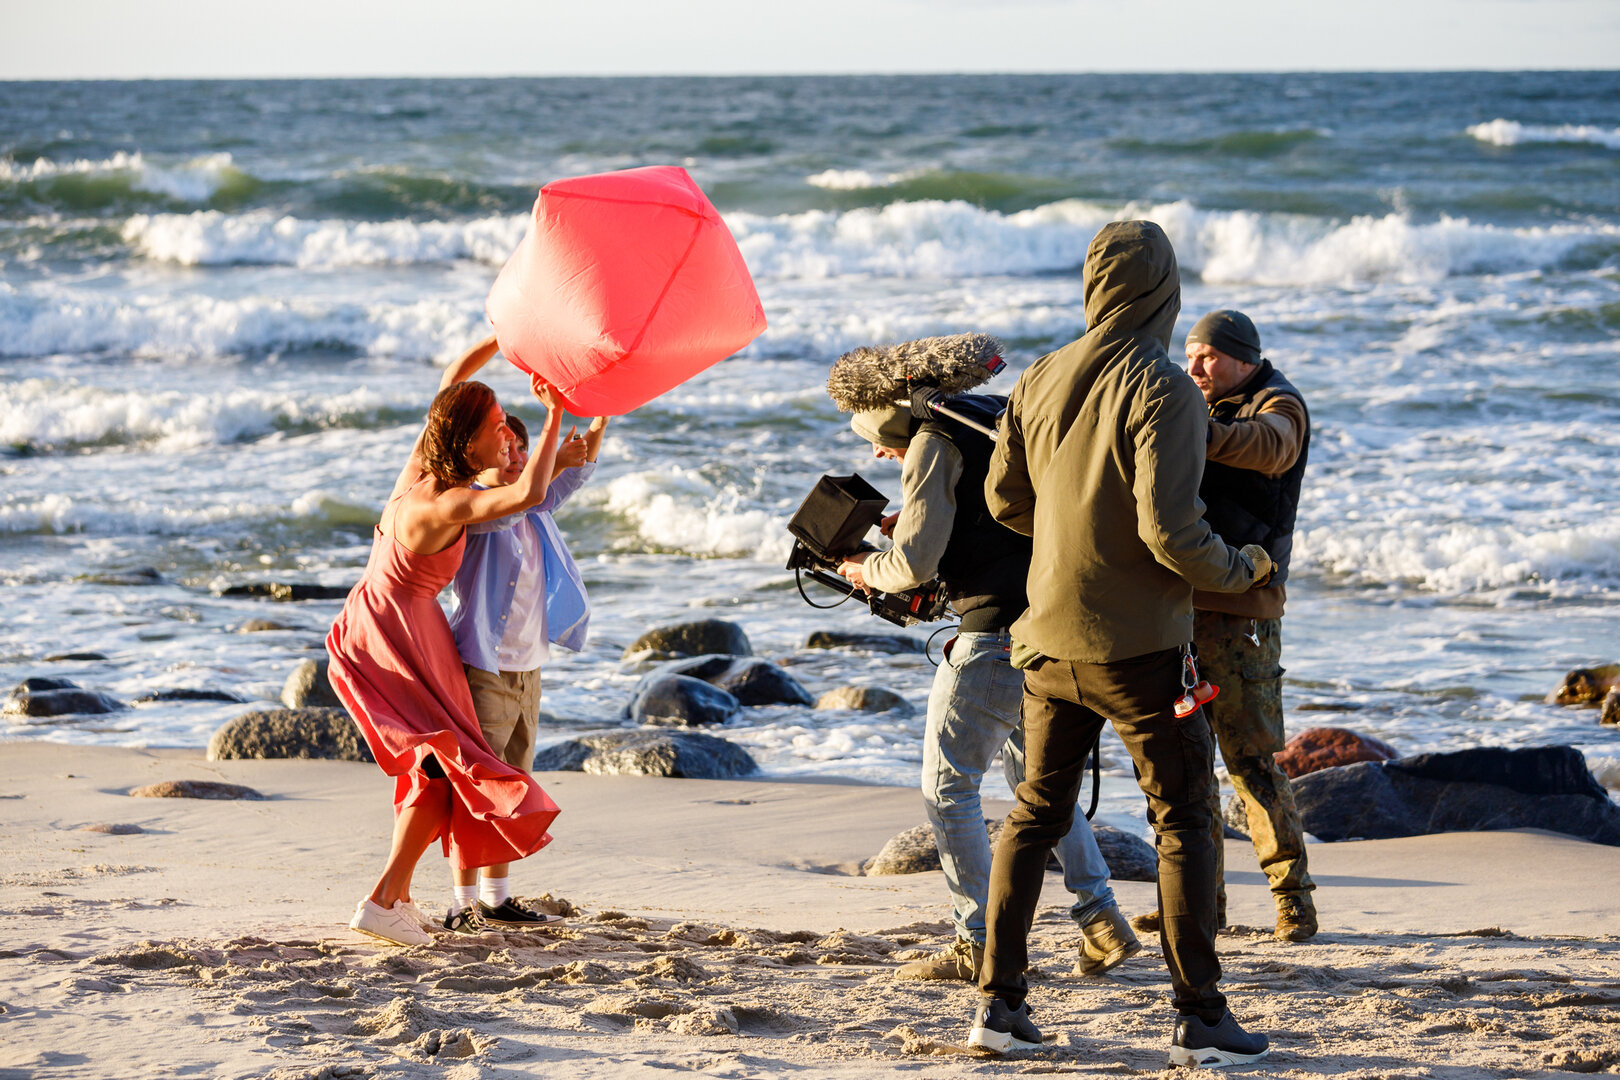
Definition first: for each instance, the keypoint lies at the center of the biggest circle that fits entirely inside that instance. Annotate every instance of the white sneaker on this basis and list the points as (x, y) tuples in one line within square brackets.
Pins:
[(390, 924), (409, 908)]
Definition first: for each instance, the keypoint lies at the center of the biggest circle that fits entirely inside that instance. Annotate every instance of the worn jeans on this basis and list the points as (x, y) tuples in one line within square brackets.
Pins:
[(1247, 721), (972, 712), (1066, 703)]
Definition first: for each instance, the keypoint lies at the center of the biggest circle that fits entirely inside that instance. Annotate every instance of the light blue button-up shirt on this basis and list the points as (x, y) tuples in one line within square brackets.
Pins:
[(482, 591)]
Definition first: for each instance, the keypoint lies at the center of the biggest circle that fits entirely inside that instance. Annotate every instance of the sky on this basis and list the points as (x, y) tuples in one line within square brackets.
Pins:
[(57, 39)]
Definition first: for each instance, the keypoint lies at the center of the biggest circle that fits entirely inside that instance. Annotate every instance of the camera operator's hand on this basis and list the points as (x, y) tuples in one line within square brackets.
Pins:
[(886, 525), (850, 569)]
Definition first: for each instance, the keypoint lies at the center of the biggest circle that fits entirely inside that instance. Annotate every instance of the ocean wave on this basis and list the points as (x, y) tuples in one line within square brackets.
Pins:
[(85, 184), (47, 414), (854, 179), (936, 238), (212, 238), (956, 239), (675, 510), (1500, 132), (1455, 559), (48, 321)]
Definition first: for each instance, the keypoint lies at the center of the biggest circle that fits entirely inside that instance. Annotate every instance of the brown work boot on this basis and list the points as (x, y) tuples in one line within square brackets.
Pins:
[(1149, 923), (1296, 917), (1106, 942), (960, 961)]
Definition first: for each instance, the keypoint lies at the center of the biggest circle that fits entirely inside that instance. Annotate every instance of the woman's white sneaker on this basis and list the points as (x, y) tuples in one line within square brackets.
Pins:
[(390, 924), (422, 920)]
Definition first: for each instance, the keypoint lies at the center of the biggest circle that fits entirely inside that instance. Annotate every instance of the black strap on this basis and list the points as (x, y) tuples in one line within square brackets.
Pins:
[(1096, 776)]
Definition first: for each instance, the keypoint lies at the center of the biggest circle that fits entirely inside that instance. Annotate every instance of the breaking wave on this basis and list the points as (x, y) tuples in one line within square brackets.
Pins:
[(1501, 132)]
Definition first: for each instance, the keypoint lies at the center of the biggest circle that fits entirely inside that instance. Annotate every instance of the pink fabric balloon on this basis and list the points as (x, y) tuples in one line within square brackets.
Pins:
[(627, 284)]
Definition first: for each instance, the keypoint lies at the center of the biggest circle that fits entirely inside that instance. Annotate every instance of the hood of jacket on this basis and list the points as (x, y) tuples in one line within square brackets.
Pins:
[(1132, 286)]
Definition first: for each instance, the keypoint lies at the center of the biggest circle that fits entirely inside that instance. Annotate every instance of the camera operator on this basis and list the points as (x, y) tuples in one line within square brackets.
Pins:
[(944, 530)]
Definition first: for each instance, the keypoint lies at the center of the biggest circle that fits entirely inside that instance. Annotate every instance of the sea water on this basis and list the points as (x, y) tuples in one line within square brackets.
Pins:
[(224, 307)]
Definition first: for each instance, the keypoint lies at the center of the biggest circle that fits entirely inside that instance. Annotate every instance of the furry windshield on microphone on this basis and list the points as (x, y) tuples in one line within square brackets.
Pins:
[(879, 376)]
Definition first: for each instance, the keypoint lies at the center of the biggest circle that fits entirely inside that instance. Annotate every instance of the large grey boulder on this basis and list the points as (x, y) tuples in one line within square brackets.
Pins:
[(290, 733), (307, 686), (697, 638), (686, 754), (184, 693), (679, 701), (751, 681), (864, 699), (1482, 789), (49, 697), (883, 643), (1129, 857)]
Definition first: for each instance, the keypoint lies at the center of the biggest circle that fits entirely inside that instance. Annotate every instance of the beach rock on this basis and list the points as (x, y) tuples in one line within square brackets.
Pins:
[(698, 638), (290, 733), (44, 697), (686, 754), (112, 828), (57, 657), (288, 591), (1326, 747), (679, 701), (194, 789), (750, 681), (1586, 686), (308, 687), (864, 699), (261, 626), (184, 693), (1474, 790), (915, 851), (1235, 818), (911, 852), (883, 643), (1611, 708), (141, 575), (1129, 858)]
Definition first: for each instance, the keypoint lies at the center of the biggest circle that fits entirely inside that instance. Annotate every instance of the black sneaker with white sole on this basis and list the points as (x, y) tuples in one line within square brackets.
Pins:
[(511, 915), (466, 921), (1214, 1046), (999, 1028)]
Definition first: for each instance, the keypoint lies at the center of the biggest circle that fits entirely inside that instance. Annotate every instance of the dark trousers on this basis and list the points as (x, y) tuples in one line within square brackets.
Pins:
[(1065, 705)]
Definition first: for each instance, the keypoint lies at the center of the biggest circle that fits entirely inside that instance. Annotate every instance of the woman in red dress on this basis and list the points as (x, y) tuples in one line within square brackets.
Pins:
[(396, 666)]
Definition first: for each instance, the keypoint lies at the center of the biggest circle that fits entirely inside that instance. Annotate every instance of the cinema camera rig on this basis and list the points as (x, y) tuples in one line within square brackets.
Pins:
[(831, 524)]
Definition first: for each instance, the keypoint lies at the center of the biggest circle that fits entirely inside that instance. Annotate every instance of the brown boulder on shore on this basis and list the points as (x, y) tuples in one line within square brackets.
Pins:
[(1611, 708), (1325, 747), (1586, 686)]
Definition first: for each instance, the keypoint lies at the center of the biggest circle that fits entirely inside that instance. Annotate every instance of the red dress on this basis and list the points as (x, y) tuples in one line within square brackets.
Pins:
[(396, 667)]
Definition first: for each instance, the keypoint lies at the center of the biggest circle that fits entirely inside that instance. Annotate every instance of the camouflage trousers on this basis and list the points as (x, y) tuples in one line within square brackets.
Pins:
[(1247, 722)]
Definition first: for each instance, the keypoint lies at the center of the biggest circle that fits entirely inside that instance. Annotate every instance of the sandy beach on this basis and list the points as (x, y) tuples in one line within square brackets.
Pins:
[(722, 929)]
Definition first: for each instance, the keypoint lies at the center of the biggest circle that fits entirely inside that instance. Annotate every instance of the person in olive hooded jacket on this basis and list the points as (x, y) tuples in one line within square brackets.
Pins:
[(1099, 459)]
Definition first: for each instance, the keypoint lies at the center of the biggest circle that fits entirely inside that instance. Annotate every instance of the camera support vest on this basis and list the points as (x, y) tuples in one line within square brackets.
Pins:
[(985, 567), (1249, 507)]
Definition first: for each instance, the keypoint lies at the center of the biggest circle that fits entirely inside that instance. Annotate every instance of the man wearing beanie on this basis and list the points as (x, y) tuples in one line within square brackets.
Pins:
[(1099, 460), (1259, 435), (943, 530)]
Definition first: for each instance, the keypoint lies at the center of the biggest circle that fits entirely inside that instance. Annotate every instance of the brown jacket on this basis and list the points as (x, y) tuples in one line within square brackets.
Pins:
[(1265, 437), (1099, 459)]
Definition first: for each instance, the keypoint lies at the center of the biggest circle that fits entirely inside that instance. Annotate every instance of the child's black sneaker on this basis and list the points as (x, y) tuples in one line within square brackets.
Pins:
[(511, 915)]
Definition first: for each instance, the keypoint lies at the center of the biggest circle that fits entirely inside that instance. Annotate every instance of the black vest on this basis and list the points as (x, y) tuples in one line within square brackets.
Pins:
[(1248, 507), (985, 565)]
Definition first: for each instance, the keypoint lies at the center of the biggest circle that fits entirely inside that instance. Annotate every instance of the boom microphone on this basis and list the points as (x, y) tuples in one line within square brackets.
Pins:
[(880, 376)]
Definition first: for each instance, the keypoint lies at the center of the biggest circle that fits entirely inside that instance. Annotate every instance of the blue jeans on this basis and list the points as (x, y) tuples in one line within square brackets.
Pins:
[(973, 710)]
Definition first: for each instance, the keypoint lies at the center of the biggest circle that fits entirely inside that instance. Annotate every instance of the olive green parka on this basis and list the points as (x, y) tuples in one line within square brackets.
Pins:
[(1099, 458)]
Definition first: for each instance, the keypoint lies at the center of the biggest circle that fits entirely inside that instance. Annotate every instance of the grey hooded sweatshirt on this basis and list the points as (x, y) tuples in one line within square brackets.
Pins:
[(1099, 459)]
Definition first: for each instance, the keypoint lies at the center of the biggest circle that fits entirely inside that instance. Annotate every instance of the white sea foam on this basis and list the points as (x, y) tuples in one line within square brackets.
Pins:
[(194, 181), (212, 238), (45, 413), (1500, 132), (857, 179), (674, 509), (47, 320)]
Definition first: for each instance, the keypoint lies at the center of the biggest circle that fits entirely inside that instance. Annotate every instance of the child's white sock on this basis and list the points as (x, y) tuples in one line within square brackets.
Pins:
[(493, 890), (466, 896)]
